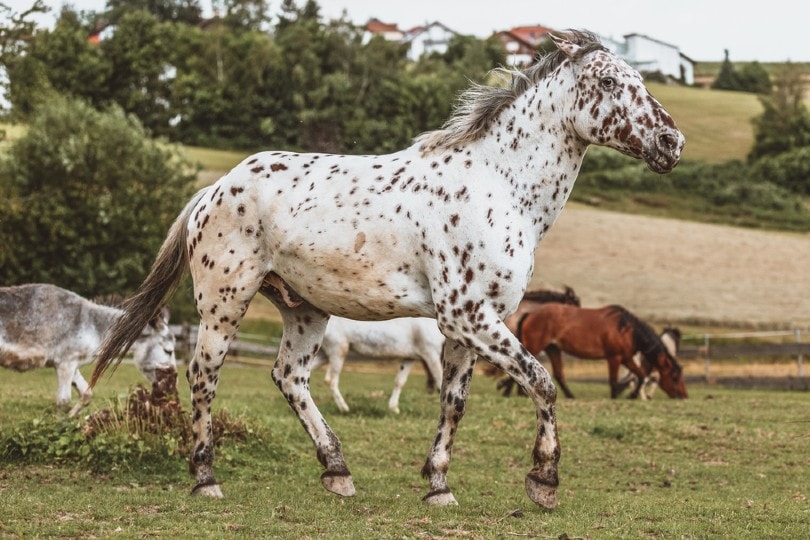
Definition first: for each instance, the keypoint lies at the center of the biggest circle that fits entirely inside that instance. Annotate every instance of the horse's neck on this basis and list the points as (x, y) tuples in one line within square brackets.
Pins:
[(535, 148), (101, 318)]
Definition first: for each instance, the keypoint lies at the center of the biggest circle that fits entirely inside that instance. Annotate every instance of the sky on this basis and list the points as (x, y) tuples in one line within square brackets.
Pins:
[(772, 31)]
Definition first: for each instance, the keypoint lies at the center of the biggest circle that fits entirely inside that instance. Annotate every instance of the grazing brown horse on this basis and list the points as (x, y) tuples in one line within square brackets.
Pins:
[(530, 300), (609, 332)]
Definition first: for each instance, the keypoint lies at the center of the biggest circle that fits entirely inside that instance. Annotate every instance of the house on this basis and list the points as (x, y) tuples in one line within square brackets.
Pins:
[(649, 55), (430, 39), (520, 43), (420, 40), (389, 32)]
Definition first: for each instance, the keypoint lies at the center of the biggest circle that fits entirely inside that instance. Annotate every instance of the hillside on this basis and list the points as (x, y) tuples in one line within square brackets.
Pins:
[(678, 271), (716, 123)]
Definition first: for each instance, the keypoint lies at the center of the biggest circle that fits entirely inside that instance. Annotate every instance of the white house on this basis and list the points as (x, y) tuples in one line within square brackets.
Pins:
[(647, 54), (433, 38)]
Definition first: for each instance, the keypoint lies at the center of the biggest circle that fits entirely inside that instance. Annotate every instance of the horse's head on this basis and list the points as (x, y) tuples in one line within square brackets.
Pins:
[(613, 108), (671, 376), (153, 351)]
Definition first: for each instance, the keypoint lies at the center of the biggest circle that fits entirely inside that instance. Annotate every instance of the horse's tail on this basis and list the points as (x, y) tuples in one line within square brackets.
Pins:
[(145, 304)]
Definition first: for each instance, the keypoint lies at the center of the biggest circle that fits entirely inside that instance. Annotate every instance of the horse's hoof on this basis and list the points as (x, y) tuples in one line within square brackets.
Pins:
[(540, 493), (339, 483), (440, 498), (207, 490)]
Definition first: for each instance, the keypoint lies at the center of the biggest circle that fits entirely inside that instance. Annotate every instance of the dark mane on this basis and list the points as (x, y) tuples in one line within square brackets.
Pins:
[(645, 340), (479, 105), (545, 296)]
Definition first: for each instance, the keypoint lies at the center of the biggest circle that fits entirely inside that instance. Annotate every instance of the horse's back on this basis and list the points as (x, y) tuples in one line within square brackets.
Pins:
[(40, 322), (393, 338)]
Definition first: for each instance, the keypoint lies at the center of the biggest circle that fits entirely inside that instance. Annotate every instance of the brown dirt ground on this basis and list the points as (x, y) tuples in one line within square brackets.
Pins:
[(673, 271)]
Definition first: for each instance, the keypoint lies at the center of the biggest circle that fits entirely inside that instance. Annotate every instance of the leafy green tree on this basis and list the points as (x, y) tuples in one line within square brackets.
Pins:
[(785, 121), (86, 199), (70, 64), (182, 11), (754, 78), (243, 14), (727, 78), (138, 53), (16, 29)]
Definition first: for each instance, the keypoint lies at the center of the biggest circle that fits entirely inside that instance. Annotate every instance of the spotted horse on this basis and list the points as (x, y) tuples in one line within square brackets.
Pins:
[(446, 228)]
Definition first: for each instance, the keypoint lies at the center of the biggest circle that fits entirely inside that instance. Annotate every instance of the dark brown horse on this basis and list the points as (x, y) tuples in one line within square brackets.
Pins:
[(609, 332), (531, 300)]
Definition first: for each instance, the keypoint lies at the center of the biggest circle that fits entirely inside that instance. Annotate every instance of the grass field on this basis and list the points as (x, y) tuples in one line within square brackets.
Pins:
[(722, 464), (716, 123)]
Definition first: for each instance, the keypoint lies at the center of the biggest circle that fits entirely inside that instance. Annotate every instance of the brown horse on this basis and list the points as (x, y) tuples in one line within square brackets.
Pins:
[(609, 332), (530, 300)]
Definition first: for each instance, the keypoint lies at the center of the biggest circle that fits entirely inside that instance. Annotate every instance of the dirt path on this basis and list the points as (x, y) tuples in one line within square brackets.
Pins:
[(671, 270)]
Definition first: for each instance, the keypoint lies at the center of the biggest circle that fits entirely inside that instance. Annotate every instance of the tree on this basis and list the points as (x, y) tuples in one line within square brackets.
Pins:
[(785, 121), (16, 30), (140, 73), (67, 61), (754, 78), (182, 11), (86, 199), (727, 77), (750, 78)]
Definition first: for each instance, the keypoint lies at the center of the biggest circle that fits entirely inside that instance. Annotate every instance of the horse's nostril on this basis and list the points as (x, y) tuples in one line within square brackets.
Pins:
[(667, 141)]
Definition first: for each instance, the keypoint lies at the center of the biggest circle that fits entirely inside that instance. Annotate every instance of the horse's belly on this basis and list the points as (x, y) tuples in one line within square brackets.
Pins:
[(22, 359), (361, 290)]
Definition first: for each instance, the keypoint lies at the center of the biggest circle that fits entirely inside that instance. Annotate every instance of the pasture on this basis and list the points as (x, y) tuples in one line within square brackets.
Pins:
[(724, 463)]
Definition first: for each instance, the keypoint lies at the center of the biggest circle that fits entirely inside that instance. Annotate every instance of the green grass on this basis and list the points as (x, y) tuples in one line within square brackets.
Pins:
[(722, 464), (716, 123)]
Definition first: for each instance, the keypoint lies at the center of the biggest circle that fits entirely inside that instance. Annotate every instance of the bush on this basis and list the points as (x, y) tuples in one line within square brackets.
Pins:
[(86, 198), (790, 170)]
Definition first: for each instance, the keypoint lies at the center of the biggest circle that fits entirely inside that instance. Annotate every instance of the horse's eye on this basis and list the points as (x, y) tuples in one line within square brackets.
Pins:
[(607, 83)]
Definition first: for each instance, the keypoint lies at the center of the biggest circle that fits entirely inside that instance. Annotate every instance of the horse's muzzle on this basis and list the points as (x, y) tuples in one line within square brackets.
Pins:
[(665, 150)]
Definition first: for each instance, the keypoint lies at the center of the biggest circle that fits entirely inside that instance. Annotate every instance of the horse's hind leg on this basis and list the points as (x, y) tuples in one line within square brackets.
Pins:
[(335, 351), (304, 326), (555, 357), (221, 309), (399, 382)]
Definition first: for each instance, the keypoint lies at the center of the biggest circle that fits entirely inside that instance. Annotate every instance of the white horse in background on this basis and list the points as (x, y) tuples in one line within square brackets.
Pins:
[(408, 339), (42, 325)]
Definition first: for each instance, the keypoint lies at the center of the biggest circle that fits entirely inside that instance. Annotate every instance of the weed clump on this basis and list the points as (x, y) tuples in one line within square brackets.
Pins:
[(148, 427)]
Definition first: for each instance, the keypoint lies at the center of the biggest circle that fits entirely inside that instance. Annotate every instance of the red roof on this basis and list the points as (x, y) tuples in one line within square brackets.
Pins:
[(376, 26), (531, 34)]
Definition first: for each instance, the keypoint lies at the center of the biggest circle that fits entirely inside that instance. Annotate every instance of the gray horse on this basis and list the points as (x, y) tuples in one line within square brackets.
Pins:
[(43, 325)]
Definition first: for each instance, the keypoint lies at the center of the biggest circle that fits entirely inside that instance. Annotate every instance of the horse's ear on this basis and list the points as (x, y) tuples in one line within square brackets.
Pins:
[(568, 48), (160, 318)]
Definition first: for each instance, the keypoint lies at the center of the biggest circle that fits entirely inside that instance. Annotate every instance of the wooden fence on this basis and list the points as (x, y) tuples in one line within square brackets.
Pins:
[(711, 347)]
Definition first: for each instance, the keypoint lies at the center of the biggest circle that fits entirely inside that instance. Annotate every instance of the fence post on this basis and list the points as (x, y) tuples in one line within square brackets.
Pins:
[(706, 360), (800, 358)]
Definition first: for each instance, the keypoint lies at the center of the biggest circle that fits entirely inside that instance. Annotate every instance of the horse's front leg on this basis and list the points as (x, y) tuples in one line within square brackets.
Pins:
[(85, 393), (493, 341), (301, 338), (458, 363), (635, 370), (65, 371)]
